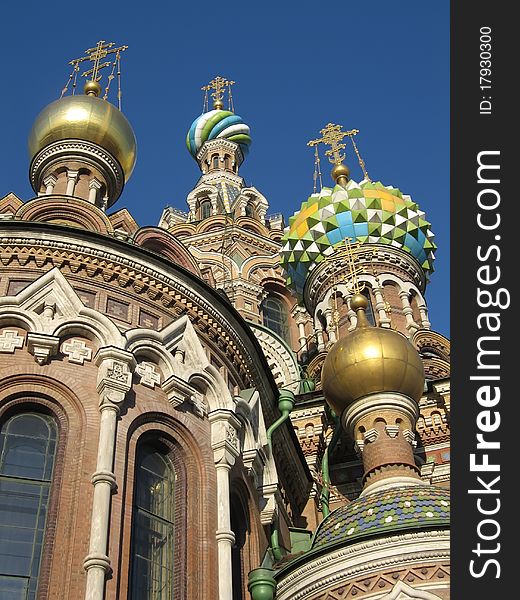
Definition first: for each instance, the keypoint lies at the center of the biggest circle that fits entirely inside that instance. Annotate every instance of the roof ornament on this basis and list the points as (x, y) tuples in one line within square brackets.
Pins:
[(96, 55), (219, 85), (333, 136)]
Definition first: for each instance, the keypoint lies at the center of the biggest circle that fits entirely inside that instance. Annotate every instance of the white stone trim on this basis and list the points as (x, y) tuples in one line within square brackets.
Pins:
[(364, 558)]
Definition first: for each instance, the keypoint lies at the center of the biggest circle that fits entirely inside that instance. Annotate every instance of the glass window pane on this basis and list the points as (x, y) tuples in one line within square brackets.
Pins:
[(13, 588), (27, 451), (153, 527), (274, 316), (31, 425)]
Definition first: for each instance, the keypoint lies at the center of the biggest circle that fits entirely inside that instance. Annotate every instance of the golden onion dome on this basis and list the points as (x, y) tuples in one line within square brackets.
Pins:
[(370, 360), (86, 117)]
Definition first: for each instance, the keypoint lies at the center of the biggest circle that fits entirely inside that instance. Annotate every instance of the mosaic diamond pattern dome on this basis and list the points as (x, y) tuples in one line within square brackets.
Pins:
[(385, 512), (366, 212), (218, 124)]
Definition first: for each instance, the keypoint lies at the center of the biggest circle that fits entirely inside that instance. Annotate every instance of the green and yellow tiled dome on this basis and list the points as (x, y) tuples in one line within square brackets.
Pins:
[(365, 212), (384, 513)]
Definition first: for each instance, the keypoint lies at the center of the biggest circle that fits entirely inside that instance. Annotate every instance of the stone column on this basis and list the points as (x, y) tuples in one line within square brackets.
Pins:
[(423, 311), (318, 329), (49, 183), (302, 339), (384, 321), (114, 381), (331, 326), (225, 444), (72, 178), (93, 188), (411, 325)]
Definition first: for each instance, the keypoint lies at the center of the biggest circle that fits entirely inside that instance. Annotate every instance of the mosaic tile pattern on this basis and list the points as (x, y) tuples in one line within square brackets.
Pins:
[(385, 512), (366, 212)]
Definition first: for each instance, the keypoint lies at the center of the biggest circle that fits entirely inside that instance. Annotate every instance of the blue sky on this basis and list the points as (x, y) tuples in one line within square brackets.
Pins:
[(381, 67)]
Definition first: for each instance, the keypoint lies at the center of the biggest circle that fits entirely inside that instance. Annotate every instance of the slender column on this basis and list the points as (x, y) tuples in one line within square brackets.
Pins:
[(49, 183), (407, 311), (425, 322), (380, 307), (114, 381), (302, 337), (72, 178), (93, 187), (331, 327), (318, 329), (225, 444)]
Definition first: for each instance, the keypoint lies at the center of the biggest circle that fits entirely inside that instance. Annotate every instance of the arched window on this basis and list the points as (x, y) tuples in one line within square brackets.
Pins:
[(250, 210), (205, 209), (274, 315), (152, 572), (27, 453), (214, 161)]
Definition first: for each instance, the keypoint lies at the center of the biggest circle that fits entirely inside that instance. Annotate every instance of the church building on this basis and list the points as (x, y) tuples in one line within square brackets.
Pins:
[(225, 405)]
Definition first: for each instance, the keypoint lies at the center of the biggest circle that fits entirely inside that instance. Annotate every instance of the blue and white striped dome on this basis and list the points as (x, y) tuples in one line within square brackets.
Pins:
[(218, 124)]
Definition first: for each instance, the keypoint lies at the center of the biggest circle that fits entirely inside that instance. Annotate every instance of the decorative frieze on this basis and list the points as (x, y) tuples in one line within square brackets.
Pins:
[(95, 262)]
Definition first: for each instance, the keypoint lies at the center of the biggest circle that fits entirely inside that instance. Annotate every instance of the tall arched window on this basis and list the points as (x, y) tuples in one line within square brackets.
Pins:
[(274, 315), (215, 161), (152, 575), (205, 209), (27, 452)]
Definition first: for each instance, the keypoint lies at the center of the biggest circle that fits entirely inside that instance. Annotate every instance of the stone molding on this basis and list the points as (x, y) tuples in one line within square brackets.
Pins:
[(157, 285), (362, 559)]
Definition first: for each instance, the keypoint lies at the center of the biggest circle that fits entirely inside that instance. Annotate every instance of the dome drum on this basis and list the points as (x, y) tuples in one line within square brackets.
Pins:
[(79, 154), (319, 279), (219, 145), (389, 407)]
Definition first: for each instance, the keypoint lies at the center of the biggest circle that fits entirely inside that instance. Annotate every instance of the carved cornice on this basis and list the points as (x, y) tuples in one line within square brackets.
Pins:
[(108, 266)]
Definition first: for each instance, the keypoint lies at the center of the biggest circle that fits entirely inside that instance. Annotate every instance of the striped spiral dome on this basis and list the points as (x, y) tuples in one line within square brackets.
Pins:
[(218, 124)]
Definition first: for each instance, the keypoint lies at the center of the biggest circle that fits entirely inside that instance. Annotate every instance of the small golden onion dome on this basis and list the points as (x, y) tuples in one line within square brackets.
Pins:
[(370, 360), (86, 117)]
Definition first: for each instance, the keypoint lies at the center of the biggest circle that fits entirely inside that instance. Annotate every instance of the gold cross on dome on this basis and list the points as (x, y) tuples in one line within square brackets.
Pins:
[(331, 135), (95, 55), (219, 85)]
